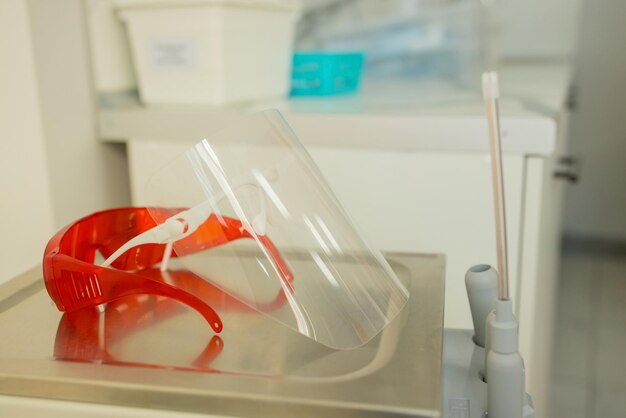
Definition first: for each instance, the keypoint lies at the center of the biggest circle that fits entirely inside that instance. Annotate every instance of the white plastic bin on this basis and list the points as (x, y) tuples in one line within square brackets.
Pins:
[(210, 51)]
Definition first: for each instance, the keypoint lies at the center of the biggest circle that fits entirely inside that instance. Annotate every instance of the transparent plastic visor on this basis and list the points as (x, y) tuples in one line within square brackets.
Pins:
[(248, 211)]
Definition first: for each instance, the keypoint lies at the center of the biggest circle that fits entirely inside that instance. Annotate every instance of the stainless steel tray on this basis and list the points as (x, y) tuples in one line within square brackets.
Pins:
[(155, 353)]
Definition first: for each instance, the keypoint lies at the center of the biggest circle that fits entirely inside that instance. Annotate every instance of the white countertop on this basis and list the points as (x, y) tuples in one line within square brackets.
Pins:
[(399, 115)]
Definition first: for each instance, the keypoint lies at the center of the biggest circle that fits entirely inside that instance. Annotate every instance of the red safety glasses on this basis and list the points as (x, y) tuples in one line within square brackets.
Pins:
[(74, 282)]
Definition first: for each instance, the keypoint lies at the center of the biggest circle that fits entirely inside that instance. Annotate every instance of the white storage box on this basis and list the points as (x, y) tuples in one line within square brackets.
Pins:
[(210, 51)]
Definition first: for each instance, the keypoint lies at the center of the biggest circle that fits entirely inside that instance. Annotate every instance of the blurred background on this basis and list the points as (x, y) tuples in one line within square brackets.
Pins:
[(385, 94)]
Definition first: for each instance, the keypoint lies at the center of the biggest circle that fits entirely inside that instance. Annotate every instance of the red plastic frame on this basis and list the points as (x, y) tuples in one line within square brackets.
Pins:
[(74, 282)]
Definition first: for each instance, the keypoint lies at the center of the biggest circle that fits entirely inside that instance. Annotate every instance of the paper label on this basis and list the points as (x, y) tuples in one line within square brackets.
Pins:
[(171, 53)]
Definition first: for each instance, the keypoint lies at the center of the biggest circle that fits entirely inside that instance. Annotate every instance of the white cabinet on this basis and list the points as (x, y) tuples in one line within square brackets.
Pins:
[(441, 203)]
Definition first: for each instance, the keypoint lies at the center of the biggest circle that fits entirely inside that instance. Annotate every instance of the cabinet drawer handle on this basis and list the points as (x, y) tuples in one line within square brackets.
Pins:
[(567, 175), (569, 168)]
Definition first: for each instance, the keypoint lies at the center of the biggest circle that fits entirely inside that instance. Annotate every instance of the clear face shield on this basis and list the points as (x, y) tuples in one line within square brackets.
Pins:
[(252, 215)]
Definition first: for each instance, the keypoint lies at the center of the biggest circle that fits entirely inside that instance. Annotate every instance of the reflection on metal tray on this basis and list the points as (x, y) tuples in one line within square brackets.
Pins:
[(148, 351)]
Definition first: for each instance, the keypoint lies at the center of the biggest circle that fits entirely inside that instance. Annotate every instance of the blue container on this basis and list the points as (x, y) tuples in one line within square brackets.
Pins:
[(325, 73)]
